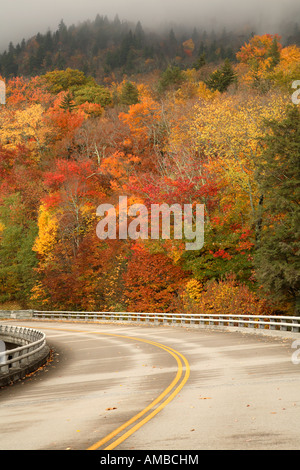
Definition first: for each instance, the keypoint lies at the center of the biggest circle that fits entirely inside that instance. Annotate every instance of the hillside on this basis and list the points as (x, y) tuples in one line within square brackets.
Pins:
[(105, 110)]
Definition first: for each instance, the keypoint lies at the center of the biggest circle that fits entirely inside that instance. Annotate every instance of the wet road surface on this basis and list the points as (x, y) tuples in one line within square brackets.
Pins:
[(154, 388)]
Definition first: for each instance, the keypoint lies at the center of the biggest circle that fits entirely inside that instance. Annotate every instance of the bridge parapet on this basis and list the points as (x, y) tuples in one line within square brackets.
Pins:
[(31, 352)]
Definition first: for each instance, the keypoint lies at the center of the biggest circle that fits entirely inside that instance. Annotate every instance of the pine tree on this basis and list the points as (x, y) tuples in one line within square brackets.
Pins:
[(222, 78), (200, 62), (275, 53), (140, 35), (278, 176), (67, 102), (129, 94), (171, 77)]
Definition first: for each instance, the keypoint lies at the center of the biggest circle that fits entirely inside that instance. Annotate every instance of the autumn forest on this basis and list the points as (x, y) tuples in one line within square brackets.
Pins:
[(106, 109)]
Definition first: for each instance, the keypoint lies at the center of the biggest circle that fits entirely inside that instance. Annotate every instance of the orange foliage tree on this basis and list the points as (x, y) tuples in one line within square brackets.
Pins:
[(152, 282)]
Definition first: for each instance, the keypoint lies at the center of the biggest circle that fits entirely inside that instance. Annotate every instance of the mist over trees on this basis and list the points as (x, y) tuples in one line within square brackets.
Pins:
[(102, 46)]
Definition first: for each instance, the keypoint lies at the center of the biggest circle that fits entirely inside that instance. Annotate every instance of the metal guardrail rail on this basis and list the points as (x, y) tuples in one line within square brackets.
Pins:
[(273, 322), (33, 342)]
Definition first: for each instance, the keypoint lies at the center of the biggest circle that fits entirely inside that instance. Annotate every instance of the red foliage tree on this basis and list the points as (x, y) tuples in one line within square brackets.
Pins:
[(152, 282)]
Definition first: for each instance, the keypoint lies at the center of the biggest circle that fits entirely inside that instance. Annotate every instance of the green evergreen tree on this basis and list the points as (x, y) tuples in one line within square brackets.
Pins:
[(67, 102), (139, 35), (171, 77), (172, 43), (274, 53), (129, 94), (200, 62), (222, 78), (18, 260), (278, 176)]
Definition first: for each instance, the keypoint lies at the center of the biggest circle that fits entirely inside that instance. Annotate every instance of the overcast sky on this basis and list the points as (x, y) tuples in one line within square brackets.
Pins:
[(24, 18)]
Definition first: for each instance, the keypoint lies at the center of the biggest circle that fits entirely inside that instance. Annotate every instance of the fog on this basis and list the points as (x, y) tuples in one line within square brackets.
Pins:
[(24, 18)]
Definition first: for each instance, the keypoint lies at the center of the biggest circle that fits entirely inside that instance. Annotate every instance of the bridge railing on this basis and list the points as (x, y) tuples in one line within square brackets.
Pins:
[(272, 322), (32, 343)]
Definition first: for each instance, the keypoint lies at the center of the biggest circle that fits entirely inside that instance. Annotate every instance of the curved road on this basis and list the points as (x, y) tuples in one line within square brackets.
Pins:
[(113, 386)]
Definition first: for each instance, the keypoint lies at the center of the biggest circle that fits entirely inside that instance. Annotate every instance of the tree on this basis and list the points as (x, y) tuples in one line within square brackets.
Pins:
[(69, 79), (277, 257), (288, 69), (222, 78), (68, 102), (261, 55), (172, 77), (139, 35), (152, 282), (67, 235), (200, 62), (188, 47), (25, 127), (93, 94), (129, 94), (17, 260), (274, 53)]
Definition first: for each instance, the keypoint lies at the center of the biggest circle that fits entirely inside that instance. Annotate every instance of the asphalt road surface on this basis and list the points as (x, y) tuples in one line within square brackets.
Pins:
[(127, 387)]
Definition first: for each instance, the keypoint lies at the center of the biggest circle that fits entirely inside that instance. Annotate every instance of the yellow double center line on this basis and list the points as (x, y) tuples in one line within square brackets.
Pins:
[(137, 421)]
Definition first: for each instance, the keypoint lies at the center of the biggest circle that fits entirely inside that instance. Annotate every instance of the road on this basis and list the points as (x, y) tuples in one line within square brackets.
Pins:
[(127, 387)]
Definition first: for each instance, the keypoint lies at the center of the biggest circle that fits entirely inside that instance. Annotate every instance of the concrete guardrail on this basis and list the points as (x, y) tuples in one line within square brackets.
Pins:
[(266, 322), (257, 322), (16, 363)]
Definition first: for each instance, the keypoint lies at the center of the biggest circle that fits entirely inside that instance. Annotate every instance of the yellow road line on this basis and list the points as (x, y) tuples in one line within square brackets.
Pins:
[(155, 411), (178, 356)]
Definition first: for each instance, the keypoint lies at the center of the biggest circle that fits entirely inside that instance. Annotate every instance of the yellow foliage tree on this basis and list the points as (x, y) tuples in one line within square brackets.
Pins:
[(24, 127), (47, 236), (226, 131), (288, 68)]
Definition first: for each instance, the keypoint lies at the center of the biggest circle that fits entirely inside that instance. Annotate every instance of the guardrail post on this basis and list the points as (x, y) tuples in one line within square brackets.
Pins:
[(4, 368), (16, 363), (2, 352), (24, 360), (281, 326), (295, 328)]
